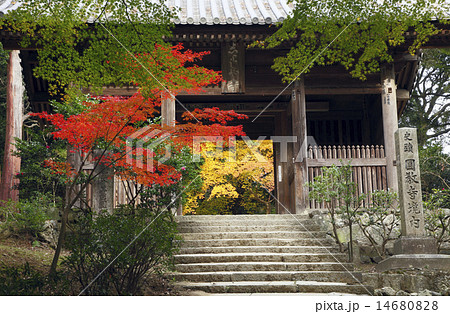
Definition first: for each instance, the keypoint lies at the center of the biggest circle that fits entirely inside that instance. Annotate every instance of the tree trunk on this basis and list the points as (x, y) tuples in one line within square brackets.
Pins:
[(61, 238), (350, 247), (14, 119)]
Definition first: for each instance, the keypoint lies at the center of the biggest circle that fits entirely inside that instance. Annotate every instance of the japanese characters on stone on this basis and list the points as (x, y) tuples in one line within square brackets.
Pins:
[(409, 182)]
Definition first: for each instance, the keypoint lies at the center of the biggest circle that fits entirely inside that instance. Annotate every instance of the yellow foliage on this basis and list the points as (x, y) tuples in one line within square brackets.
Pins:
[(247, 165), (226, 190)]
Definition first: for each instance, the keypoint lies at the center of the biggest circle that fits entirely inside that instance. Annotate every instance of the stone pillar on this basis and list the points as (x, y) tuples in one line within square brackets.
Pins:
[(414, 248), (410, 192), (300, 146), (390, 121), (14, 121), (168, 110), (413, 239)]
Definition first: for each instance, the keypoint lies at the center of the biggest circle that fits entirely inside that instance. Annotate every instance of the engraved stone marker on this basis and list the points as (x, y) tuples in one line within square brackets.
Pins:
[(409, 187), (413, 249), (413, 239)]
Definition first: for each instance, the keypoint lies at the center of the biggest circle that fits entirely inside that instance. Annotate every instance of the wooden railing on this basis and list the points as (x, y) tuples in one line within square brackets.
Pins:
[(368, 162), (119, 193), (126, 191)]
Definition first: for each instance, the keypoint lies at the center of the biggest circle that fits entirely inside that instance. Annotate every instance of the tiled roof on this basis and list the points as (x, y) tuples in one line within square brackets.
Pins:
[(212, 12), (7, 5), (230, 11)]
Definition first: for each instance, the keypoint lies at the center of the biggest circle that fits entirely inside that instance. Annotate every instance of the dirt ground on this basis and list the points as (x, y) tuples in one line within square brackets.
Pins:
[(15, 252)]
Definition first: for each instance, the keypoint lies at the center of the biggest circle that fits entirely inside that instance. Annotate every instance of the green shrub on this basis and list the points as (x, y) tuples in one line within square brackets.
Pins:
[(25, 280), (34, 177), (20, 281), (380, 221), (27, 217), (121, 248)]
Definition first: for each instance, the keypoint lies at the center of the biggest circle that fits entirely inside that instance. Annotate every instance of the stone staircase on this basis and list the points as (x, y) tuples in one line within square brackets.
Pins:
[(261, 254)]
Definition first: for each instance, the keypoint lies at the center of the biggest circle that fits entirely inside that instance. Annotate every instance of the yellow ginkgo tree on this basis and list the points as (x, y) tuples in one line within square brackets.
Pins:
[(236, 180)]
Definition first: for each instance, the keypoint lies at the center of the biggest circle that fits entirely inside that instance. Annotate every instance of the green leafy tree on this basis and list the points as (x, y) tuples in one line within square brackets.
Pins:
[(357, 34), (429, 107), (434, 168), (83, 43), (349, 201), (325, 190), (34, 177), (338, 192)]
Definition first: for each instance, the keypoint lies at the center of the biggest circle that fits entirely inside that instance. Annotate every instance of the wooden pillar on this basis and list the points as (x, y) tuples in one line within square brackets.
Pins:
[(281, 164), (103, 187), (277, 166), (168, 110), (390, 121), (14, 121), (168, 119), (300, 146)]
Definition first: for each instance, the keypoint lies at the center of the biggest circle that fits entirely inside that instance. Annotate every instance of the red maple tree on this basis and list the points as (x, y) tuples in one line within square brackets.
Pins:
[(106, 125)]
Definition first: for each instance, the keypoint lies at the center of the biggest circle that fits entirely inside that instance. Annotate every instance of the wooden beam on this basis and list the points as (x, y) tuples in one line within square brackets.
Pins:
[(342, 90), (310, 90), (271, 91), (256, 91), (355, 162), (409, 57), (402, 94)]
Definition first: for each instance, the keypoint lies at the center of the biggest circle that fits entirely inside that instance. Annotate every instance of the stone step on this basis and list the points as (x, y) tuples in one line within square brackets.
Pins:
[(263, 266), (240, 223), (245, 228), (222, 218), (320, 276), (276, 294), (258, 249), (253, 235), (257, 242), (276, 287), (261, 254), (259, 257), (249, 228)]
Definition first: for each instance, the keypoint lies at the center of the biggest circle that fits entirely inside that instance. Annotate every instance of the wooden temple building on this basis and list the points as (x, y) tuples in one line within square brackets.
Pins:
[(340, 117)]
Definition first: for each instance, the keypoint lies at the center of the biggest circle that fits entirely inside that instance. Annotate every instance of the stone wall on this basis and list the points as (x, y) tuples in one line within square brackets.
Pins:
[(363, 251), (409, 282)]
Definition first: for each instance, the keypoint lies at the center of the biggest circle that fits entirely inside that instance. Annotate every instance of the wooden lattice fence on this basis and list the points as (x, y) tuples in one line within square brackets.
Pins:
[(368, 162)]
